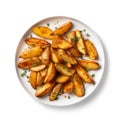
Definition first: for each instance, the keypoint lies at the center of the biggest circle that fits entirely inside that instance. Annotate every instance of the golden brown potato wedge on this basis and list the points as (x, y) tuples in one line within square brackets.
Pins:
[(44, 89), (80, 43), (43, 32), (37, 42), (54, 56), (64, 56), (45, 57), (91, 50), (28, 63), (59, 42), (54, 93), (78, 86), (71, 37), (33, 79), (68, 87), (68, 65), (64, 70), (39, 79), (32, 52), (62, 29), (38, 68), (50, 73), (84, 75), (62, 78), (88, 64)]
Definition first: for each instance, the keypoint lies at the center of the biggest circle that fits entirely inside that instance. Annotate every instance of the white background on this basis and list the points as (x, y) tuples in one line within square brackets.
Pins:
[(16, 16)]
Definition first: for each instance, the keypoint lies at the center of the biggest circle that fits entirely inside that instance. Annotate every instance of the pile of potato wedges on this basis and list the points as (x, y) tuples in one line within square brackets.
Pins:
[(58, 65)]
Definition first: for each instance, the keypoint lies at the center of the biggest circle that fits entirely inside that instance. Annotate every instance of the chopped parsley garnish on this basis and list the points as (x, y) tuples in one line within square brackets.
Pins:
[(84, 30), (27, 77), (88, 35), (35, 64), (74, 39), (28, 81), (31, 36), (24, 73), (68, 97), (33, 45), (93, 75), (48, 24), (57, 98), (87, 70)]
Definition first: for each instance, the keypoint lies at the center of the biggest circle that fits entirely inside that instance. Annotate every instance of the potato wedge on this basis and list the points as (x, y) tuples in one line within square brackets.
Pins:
[(44, 89), (64, 70), (43, 32), (71, 37), (68, 65), (38, 68), (62, 78), (80, 43), (78, 86), (50, 73), (54, 56), (64, 56), (59, 42), (54, 93), (84, 75), (32, 52), (45, 57), (28, 63), (88, 64), (37, 42), (33, 79), (91, 50), (43, 72), (62, 29), (68, 87)]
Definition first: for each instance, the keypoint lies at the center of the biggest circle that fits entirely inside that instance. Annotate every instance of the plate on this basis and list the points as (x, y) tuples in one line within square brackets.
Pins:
[(54, 22)]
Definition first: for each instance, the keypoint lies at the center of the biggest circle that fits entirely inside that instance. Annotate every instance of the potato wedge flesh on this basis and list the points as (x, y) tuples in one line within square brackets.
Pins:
[(68, 87), (62, 79), (78, 86), (37, 42), (33, 79), (32, 52), (64, 70), (54, 93), (84, 75), (50, 73), (44, 89), (28, 63), (88, 64), (62, 29), (38, 68), (91, 50)]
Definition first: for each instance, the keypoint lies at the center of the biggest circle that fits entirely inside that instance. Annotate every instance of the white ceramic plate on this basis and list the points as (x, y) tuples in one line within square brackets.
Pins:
[(56, 22)]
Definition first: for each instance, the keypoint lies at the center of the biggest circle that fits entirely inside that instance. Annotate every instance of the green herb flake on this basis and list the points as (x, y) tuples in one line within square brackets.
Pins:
[(88, 35), (93, 75), (74, 39), (33, 45), (48, 24), (57, 98), (28, 81), (27, 77), (87, 70), (84, 30), (35, 64), (68, 97), (31, 36)]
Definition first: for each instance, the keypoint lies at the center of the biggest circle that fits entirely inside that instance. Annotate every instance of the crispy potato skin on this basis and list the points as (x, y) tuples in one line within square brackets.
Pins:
[(32, 52), (50, 73), (37, 42), (44, 89), (45, 57), (80, 43), (43, 32), (62, 79), (54, 93), (68, 87), (28, 63), (60, 42), (38, 68), (84, 75), (62, 29), (64, 70), (33, 79), (64, 56), (88, 64), (78, 86), (91, 50)]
